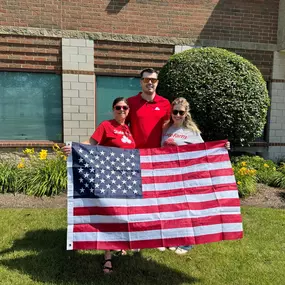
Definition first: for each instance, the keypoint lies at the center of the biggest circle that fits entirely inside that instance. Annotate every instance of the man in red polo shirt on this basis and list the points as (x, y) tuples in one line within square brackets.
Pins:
[(148, 112)]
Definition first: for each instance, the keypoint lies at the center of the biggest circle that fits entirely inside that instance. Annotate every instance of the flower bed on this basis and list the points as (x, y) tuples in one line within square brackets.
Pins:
[(37, 173), (249, 170)]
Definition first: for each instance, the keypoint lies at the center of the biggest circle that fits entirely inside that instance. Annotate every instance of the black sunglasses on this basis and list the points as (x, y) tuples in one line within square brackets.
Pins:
[(146, 80), (175, 112), (118, 108)]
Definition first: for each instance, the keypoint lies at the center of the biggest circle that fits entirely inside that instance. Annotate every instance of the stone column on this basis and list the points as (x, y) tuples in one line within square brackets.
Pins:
[(277, 113), (179, 48), (78, 86)]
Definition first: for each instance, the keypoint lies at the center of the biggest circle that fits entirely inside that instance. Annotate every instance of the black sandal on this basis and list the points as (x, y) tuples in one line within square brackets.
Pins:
[(110, 269)]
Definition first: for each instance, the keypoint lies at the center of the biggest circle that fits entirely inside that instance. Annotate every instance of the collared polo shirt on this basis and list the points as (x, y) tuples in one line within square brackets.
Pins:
[(147, 118)]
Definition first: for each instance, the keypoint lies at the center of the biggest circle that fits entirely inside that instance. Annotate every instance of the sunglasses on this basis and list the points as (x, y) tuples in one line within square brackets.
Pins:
[(175, 112), (118, 108), (146, 80)]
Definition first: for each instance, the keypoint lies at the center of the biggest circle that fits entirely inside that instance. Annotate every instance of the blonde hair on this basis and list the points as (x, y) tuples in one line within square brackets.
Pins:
[(188, 122)]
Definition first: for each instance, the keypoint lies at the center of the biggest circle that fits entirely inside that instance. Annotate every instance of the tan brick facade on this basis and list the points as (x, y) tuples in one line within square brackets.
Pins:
[(231, 20), (128, 58), (281, 26), (30, 53)]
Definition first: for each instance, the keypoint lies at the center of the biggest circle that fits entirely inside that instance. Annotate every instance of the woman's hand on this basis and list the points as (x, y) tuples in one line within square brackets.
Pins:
[(228, 145), (66, 149)]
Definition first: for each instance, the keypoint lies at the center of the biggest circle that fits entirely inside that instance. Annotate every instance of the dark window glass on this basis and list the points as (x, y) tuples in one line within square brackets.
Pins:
[(30, 106), (108, 88)]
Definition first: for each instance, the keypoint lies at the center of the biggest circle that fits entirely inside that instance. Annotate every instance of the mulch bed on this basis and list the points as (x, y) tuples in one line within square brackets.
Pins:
[(266, 197), (19, 200)]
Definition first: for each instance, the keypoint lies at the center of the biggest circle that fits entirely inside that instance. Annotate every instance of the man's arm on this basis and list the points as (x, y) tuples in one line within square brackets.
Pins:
[(167, 115)]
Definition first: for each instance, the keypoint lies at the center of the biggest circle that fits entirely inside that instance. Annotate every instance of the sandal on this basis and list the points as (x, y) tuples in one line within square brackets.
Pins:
[(110, 269)]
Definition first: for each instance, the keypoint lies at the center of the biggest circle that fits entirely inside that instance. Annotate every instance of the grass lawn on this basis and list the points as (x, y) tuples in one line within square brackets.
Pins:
[(32, 251)]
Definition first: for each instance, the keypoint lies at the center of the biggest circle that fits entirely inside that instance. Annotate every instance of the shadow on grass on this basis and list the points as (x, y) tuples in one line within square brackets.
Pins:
[(41, 255)]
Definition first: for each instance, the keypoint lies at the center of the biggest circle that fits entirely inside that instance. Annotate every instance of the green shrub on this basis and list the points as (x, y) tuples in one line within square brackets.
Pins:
[(44, 177), (281, 167), (8, 176), (227, 94), (278, 180)]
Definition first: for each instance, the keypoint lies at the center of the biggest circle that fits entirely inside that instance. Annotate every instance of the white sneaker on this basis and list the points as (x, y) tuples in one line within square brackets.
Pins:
[(161, 248), (172, 248), (181, 251)]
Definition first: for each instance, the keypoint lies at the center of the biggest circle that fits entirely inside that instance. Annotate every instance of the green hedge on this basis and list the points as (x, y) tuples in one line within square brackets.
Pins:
[(227, 93)]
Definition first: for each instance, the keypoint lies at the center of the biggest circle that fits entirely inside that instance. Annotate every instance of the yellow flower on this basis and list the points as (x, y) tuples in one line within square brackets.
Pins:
[(265, 165), (238, 182), (63, 156), (29, 151), (274, 168), (243, 163), (43, 154), (21, 164), (55, 147), (243, 171)]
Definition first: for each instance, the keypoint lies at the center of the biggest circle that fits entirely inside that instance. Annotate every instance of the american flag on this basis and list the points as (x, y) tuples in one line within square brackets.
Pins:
[(147, 198)]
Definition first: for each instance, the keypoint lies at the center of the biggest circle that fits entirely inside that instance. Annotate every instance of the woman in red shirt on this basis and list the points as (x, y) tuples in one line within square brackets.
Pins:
[(114, 133)]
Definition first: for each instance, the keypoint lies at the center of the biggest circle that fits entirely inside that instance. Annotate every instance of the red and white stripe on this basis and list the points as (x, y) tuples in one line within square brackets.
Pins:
[(190, 197)]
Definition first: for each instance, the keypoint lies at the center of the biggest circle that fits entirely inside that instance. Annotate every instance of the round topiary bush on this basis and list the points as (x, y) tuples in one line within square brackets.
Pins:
[(227, 93)]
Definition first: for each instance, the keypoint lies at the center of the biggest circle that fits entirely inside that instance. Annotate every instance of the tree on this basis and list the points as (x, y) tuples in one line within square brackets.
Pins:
[(227, 93)]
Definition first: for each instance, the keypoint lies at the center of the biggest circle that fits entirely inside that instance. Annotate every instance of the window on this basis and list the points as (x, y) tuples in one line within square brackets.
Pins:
[(30, 106), (107, 89)]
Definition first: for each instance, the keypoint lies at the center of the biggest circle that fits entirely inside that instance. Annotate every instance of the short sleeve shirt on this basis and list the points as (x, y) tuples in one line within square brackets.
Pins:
[(147, 119), (180, 136), (111, 133)]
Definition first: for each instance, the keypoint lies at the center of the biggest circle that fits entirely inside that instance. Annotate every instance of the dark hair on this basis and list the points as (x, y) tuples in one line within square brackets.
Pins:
[(119, 99), (148, 70)]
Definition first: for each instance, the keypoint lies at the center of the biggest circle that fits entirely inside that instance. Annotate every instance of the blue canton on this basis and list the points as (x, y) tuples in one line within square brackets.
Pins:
[(106, 172)]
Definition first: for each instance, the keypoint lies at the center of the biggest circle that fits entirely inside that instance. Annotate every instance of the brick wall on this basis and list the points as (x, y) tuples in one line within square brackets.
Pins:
[(30, 53), (128, 58), (262, 59), (31, 13), (281, 25), (231, 20), (248, 21)]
